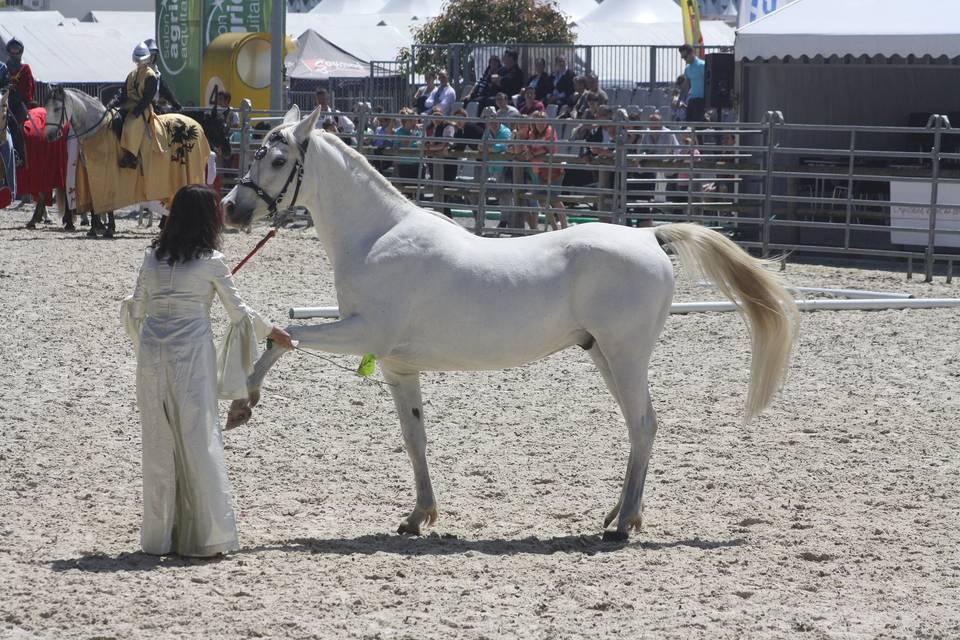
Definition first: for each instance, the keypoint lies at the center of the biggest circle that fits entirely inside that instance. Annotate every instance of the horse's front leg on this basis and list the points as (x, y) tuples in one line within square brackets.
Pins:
[(406, 396), (348, 336)]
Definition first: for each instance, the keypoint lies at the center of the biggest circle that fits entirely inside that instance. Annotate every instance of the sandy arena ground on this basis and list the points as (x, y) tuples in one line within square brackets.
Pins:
[(835, 515)]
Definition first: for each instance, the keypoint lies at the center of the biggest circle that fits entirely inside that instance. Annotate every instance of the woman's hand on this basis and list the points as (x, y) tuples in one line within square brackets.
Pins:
[(280, 337)]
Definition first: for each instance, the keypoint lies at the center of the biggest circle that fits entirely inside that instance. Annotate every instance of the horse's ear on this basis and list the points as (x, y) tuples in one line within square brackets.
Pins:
[(292, 116), (306, 126)]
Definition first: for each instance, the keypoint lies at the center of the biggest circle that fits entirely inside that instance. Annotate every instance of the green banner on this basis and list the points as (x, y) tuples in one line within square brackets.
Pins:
[(237, 16), (181, 47)]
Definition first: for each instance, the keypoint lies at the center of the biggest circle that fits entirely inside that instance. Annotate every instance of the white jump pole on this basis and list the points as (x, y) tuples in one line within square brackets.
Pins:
[(840, 293), (865, 304)]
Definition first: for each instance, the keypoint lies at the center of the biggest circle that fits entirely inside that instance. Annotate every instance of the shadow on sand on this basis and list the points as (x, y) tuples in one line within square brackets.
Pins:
[(431, 545)]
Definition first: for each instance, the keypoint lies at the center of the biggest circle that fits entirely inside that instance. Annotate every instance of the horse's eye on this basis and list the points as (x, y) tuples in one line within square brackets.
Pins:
[(278, 162)]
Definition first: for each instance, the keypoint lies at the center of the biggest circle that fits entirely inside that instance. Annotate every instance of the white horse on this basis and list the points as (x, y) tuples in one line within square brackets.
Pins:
[(422, 293)]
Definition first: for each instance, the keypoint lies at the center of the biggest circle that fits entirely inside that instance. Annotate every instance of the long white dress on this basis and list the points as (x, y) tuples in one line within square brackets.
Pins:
[(186, 494)]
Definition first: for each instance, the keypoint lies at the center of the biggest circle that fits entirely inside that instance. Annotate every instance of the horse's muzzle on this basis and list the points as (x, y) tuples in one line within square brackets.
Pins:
[(232, 217)]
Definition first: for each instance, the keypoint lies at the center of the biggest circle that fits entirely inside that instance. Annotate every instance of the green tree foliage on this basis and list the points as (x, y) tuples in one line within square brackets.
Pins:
[(490, 21)]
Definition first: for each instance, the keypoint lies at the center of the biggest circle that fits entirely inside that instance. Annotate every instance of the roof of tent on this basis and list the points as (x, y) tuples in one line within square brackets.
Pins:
[(854, 27), (576, 9), (361, 36), (137, 19), (317, 59), (419, 8), (643, 11), (715, 33), (352, 7), (73, 51)]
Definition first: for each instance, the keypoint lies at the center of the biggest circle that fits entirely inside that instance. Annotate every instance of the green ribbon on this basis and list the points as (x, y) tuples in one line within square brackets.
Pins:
[(367, 365)]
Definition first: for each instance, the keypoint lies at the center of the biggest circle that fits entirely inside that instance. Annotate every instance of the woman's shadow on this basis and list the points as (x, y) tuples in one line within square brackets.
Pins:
[(430, 545)]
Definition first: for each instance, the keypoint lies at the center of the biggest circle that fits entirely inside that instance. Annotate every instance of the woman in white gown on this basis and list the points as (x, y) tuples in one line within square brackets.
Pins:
[(186, 494)]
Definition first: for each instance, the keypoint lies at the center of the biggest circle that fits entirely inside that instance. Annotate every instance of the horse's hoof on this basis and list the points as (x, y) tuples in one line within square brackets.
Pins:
[(253, 397), (31, 225), (239, 414), (92, 233), (406, 529), (69, 227), (108, 233), (615, 536)]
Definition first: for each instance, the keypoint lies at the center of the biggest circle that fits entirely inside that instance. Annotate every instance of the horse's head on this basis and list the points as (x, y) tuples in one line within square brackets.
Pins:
[(275, 174), (57, 116)]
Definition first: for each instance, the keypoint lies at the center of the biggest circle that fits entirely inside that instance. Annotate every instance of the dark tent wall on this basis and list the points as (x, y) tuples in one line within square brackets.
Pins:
[(859, 92)]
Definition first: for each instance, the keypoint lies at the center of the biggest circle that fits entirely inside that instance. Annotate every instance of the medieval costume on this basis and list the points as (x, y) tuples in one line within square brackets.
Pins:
[(186, 494), (135, 103), (163, 91), (19, 78)]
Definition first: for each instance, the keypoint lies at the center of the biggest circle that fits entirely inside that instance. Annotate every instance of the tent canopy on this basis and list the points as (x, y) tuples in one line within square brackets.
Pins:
[(420, 8), (317, 59), (576, 9), (853, 27), (353, 7), (715, 33), (362, 36), (642, 11)]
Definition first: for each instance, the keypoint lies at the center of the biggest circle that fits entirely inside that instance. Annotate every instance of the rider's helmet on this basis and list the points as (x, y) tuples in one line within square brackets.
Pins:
[(141, 53), (152, 46), (14, 46)]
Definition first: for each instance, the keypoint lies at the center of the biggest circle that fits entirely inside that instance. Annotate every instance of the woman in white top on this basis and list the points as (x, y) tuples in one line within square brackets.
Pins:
[(186, 494)]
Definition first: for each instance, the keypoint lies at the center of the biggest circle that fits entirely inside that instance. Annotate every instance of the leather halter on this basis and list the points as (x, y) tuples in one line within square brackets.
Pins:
[(295, 172)]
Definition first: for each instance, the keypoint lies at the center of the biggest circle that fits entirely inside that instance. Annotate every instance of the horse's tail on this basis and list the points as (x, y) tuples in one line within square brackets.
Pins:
[(770, 311)]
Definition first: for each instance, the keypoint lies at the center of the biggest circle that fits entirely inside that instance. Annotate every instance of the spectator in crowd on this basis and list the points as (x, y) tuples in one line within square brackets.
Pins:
[(593, 85), (540, 80), (443, 96), (504, 108), (223, 102), (581, 106), (658, 139), (593, 107), (446, 168), (500, 175), (466, 130), (563, 89), (409, 167), (484, 90), (343, 123), (693, 76), (386, 127), (420, 97), (510, 80), (528, 103), (678, 100), (540, 151)]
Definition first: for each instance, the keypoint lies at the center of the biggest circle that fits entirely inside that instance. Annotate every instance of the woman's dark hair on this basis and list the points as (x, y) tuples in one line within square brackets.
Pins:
[(193, 227)]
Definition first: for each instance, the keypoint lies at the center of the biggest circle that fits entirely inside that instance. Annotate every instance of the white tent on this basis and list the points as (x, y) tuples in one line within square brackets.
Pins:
[(140, 23), (73, 51), (854, 27), (362, 36), (576, 9), (420, 8), (352, 7), (715, 33), (317, 59), (642, 11)]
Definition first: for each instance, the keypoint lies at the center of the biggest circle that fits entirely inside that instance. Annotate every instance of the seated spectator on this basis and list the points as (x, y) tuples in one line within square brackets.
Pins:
[(466, 130), (409, 167), (343, 124), (563, 88), (540, 150), (658, 139), (484, 89), (593, 85), (446, 171), (510, 80), (443, 96), (678, 100), (497, 173), (528, 103), (593, 104), (580, 96), (420, 97), (540, 80), (504, 108), (385, 127)]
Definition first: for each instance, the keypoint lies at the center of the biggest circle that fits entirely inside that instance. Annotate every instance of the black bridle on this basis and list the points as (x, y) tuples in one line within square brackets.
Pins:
[(295, 172)]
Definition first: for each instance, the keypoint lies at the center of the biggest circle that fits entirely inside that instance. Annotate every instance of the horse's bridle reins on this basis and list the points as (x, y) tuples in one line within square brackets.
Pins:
[(295, 172), (62, 124)]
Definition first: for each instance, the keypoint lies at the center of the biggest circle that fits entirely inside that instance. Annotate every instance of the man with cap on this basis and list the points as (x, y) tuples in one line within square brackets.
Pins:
[(19, 78), (135, 103), (163, 91)]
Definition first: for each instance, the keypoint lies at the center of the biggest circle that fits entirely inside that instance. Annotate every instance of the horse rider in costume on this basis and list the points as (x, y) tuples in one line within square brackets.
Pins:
[(163, 91), (19, 78), (135, 104)]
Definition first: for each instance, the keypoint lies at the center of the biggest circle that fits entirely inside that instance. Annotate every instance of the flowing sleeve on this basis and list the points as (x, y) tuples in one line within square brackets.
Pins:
[(134, 308), (238, 351)]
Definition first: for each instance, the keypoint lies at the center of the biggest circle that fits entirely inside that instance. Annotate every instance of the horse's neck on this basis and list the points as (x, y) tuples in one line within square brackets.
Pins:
[(351, 208), (86, 116)]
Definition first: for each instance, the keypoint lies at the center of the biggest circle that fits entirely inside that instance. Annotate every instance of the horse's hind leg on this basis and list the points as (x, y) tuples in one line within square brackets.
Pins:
[(406, 396), (604, 367)]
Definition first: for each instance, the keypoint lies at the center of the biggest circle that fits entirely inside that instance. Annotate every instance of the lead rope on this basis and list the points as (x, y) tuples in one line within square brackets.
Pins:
[(259, 246)]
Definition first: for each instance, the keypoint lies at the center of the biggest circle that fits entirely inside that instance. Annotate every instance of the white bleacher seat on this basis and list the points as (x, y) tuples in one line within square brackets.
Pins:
[(473, 107), (639, 97), (552, 110)]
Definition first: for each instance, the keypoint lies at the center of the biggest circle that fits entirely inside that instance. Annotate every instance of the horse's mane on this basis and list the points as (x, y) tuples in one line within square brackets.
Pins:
[(375, 176), (80, 96)]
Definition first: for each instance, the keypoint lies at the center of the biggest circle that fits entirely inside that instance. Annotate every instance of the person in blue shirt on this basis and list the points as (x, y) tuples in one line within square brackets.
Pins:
[(693, 77)]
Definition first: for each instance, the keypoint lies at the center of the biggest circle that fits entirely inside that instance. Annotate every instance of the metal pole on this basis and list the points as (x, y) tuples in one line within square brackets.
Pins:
[(652, 80), (481, 213), (846, 224), (934, 189), (245, 108), (277, 37), (771, 120)]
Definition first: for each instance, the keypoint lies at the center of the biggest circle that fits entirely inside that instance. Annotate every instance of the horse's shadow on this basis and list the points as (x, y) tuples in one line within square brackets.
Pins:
[(431, 545)]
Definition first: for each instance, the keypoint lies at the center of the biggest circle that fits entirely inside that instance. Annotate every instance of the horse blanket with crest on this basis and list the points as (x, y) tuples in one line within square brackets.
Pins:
[(174, 154), (46, 166)]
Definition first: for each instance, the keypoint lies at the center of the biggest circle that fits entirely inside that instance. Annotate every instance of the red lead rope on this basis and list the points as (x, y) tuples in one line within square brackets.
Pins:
[(259, 246)]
